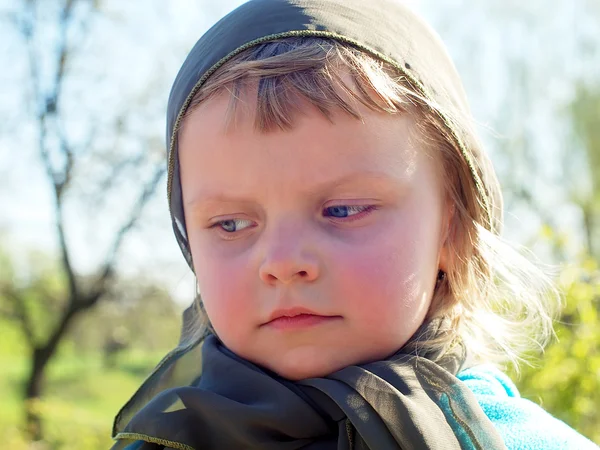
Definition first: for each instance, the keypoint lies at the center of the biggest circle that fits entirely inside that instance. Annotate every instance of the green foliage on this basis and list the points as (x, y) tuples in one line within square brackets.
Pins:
[(86, 384), (83, 395), (138, 314), (35, 289), (566, 382)]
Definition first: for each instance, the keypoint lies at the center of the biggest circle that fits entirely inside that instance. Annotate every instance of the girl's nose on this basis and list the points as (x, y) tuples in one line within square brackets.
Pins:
[(288, 256)]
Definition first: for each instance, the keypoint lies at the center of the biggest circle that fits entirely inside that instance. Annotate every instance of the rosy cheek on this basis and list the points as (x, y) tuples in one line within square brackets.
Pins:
[(378, 279), (367, 272), (225, 288)]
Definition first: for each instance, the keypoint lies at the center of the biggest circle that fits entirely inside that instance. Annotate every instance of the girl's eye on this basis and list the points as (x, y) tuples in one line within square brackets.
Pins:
[(343, 211), (233, 225)]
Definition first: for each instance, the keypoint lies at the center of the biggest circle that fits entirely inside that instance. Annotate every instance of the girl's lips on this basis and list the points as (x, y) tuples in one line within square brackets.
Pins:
[(300, 321)]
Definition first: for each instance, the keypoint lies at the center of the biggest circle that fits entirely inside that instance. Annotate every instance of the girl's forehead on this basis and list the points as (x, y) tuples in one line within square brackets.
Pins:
[(315, 155), (233, 114), (312, 135)]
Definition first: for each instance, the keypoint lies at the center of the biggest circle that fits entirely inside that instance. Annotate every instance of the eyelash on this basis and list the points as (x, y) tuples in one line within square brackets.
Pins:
[(363, 211)]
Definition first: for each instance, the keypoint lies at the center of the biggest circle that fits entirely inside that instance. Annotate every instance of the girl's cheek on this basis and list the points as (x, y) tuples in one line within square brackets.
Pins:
[(387, 267), (374, 251), (373, 273), (224, 283)]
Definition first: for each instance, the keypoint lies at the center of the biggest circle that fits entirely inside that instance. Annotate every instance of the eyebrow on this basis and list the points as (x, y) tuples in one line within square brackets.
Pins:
[(354, 177), (202, 201)]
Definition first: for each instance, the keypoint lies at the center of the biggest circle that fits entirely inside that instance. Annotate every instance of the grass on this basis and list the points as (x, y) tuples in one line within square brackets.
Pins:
[(80, 402)]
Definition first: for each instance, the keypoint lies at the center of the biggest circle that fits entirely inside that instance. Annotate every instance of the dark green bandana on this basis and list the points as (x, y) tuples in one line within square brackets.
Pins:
[(385, 29), (404, 402)]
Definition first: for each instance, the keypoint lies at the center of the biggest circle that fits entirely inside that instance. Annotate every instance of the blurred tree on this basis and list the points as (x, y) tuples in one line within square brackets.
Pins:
[(566, 382), (53, 34), (584, 179), (83, 393), (521, 62), (137, 313)]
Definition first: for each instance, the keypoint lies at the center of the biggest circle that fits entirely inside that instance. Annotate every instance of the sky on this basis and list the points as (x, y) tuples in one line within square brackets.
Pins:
[(137, 48)]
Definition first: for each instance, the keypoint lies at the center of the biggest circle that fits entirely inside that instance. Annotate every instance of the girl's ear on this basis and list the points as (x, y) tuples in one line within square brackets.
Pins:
[(446, 237)]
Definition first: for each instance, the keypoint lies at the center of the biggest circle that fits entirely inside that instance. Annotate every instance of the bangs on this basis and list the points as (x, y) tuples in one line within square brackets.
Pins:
[(287, 75)]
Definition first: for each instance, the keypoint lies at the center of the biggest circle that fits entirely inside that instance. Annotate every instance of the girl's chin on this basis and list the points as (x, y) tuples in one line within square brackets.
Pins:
[(297, 368)]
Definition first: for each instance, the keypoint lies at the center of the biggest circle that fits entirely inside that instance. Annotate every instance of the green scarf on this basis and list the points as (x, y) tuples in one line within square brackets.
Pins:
[(203, 396)]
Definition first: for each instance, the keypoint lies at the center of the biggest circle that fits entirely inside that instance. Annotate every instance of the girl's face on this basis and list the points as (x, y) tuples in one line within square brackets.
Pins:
[(345, 220)]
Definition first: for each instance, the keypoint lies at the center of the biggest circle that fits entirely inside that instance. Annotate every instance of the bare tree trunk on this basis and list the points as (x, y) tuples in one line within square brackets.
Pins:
[(588, 226), (33, 391), (40, 357)]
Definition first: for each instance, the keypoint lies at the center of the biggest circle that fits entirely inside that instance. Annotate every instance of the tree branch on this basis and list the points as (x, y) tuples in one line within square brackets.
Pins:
[(21, 314), (127, 226), (49, 109), (63, 48)]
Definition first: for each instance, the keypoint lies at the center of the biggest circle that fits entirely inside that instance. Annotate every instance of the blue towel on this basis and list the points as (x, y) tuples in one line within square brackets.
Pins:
[(523, 424)]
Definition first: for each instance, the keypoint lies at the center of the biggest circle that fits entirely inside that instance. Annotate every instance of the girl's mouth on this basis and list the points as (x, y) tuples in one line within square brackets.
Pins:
[(300, 321)]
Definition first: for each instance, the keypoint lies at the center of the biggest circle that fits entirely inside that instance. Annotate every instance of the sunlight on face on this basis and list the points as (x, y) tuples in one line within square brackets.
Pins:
[(342, 219)]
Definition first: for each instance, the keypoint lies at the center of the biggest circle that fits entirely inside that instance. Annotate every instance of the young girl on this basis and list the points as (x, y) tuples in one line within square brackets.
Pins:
[(342, 220)]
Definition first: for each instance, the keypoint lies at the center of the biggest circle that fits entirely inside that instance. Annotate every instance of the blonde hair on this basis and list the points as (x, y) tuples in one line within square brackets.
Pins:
[(500, 304)]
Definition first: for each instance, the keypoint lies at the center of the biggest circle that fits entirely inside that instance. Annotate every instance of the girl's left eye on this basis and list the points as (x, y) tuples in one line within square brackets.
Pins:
[(343, 211), (233, 225)]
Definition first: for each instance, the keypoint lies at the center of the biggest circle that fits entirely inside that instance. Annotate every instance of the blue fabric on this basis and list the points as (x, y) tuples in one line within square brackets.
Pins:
[(523, 424)]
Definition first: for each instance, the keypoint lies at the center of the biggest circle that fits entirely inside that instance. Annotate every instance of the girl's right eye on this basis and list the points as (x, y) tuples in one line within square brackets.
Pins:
[(232, 225)]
